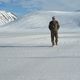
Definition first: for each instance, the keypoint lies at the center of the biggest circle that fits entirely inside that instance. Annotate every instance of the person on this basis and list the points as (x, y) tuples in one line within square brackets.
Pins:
[(54, 27)]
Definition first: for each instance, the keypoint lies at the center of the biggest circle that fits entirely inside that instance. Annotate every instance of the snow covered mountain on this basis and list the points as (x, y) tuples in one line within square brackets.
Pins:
[(6, 17), (40, 20)]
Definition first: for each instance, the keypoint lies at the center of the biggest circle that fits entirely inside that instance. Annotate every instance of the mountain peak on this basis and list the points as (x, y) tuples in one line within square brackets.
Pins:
[(6, 17)]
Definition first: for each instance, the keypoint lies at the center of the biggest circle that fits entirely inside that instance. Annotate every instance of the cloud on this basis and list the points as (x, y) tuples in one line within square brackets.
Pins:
[(45, 4), (6, 1), (50, 4), (30, 4)]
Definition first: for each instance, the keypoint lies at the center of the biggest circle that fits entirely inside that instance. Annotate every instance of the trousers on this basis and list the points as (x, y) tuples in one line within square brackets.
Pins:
[(54, 37)]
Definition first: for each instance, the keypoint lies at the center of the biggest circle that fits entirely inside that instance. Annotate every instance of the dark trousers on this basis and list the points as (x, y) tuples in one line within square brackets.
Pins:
[(54, 37)]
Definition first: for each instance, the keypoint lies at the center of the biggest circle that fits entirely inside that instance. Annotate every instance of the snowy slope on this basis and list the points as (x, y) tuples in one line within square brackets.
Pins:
[(26, 52), (40, 20), (6, 17)]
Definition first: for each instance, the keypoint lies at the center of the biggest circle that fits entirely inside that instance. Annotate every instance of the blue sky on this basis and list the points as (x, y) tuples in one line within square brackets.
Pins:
[(15, 9), (21, 7)]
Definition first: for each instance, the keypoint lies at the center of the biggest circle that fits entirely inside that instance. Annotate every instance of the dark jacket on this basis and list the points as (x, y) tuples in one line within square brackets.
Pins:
[(54, 25)]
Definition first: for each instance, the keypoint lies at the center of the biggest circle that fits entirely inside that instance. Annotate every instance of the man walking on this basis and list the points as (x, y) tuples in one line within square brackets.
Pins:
[(54, 27)]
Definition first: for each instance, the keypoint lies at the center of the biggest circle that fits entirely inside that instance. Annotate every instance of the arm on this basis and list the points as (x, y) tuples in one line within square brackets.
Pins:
[(49, 25), (58, 25)]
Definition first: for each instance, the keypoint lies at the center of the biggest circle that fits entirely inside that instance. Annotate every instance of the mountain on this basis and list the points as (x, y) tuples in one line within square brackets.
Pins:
[(40, 20), (6, 17)]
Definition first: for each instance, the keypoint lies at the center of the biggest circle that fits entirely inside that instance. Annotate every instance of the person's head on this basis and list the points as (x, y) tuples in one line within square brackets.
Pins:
[(53, 18)]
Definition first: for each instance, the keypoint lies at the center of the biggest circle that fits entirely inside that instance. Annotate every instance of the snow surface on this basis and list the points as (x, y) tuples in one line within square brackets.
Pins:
[(26, 52)]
